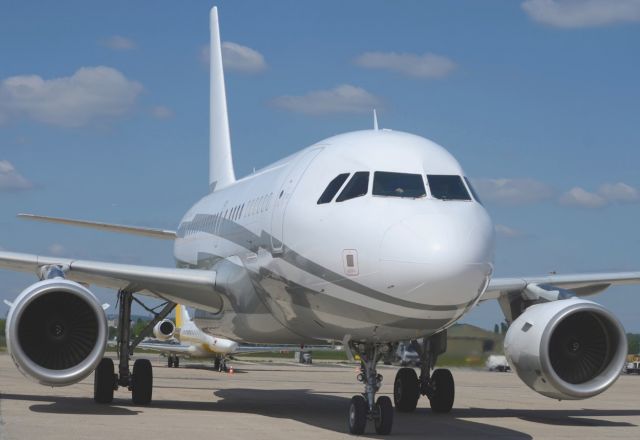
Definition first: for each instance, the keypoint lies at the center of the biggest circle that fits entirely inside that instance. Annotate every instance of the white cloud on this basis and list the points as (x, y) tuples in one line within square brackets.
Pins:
[(239, 58), (619, 192), (11, 179), (427, 65), (582, 13), (512, 191), (57, 250), (161, 112), (577, 196), (90, 93), (344, 98), (606, 194), (507, 232), (118, 42)]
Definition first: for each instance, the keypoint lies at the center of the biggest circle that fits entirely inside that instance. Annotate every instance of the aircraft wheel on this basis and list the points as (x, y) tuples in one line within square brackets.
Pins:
[(444, 391), (176, 362), (142, 382), (357, 415), (384, 421), (406, 390), (103, 381), (170, 361)]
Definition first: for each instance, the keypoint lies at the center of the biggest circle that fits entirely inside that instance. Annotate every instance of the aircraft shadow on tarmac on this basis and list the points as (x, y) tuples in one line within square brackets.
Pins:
[(329, 412)]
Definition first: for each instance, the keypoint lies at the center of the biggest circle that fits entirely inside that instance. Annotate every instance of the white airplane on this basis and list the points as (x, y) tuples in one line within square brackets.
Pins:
[(369, 238), (191, 341)]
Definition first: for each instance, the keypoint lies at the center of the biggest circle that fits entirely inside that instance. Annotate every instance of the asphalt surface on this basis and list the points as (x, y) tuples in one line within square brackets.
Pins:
[(285, 400)]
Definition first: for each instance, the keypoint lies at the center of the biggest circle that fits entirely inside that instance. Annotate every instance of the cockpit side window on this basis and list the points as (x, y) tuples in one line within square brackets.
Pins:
[(445, 187), (356, 187), (398, 185), (332, 189), (473, 191)]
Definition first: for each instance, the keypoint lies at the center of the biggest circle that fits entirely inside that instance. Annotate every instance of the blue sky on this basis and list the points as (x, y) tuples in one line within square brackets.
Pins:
[(104, 115)]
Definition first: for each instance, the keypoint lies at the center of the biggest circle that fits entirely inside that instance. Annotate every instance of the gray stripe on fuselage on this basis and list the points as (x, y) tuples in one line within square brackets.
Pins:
[(313, 300), (243, 237)]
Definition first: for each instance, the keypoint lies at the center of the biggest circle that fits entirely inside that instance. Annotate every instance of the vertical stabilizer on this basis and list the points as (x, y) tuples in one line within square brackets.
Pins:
[(182, 316), (220, 161)]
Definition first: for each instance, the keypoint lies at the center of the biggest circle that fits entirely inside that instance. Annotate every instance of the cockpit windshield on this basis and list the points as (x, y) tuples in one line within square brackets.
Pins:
[(398, 185), (356, 187), (445, 187), (332, 189)]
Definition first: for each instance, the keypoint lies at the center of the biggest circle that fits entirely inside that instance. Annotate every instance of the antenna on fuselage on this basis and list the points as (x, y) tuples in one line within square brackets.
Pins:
[(375, 120), (220, 161)]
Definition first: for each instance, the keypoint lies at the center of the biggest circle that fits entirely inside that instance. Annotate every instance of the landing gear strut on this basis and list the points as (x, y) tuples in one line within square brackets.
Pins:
[(173, 361), (140, 381), (438, 386), (365, 406)]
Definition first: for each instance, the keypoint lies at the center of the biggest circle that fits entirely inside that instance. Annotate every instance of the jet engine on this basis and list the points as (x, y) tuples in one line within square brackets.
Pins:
[(567, 349), (56, 332), (164, 330)]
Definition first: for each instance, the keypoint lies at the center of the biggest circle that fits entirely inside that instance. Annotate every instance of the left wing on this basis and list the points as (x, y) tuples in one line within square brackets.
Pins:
[(515, 294), (580, 284), (186, 286), (165, 347)]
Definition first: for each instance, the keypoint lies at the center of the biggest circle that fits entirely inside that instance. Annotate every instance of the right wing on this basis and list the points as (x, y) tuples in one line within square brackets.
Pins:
[(192, 287)]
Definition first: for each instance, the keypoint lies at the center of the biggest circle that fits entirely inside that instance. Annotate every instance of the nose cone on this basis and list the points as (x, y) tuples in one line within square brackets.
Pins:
[(448, 251), (441, 239)]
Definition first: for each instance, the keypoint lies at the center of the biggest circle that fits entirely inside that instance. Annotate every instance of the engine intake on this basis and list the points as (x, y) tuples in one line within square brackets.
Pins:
[(164, 329), (567, 349), (56, 332)]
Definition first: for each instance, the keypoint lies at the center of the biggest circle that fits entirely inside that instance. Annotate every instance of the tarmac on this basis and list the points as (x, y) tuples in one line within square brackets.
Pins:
[(277, 400)]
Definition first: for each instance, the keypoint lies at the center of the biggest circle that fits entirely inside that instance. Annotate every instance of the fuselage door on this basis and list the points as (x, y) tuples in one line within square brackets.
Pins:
[(294, 172)]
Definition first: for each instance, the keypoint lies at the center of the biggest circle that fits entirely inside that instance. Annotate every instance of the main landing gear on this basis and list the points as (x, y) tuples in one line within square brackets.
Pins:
[(438, 386), (220, 364), (140, 380), (173, 361), (365, 407)]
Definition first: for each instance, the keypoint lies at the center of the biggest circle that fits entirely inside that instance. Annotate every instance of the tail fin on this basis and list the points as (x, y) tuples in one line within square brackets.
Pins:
[(182, 316), (220, 161)]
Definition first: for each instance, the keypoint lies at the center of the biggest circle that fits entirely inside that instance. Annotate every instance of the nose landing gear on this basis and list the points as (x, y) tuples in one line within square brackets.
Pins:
[(365, 407)]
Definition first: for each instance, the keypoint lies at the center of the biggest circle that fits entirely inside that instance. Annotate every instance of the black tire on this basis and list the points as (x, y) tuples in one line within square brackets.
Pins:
[(357, 419), (384, 422), (406, 390), (176, 362), (170, 361), (142, 382), (103, 381), (444, 391)]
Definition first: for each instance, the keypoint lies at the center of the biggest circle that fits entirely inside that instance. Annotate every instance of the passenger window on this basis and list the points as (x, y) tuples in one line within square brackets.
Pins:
[(398, 185), (332, 189), (356, 187), (473, 191), (447, 187)]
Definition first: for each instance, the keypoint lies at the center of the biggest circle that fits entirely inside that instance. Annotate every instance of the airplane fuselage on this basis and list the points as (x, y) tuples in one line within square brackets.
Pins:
[(370, 264)]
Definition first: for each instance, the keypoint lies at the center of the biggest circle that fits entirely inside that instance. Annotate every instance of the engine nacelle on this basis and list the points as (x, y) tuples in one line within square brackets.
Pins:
[(56, 332), (567, 349), (164, 330)]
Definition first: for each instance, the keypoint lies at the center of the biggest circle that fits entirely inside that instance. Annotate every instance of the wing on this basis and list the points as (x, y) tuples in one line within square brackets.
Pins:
[(165, 347), (515, 294), (134, 230), (186, 286), (580, 284)]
